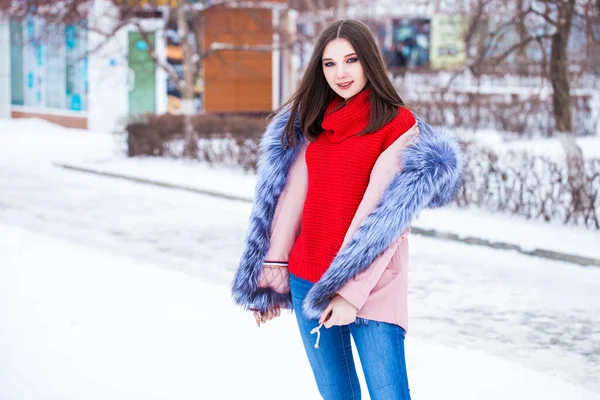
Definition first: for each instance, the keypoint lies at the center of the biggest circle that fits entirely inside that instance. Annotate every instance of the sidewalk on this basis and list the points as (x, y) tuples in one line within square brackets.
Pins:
[(551, 241)]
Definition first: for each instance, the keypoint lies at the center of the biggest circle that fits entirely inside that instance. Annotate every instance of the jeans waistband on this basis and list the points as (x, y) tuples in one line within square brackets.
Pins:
[(301, 282)]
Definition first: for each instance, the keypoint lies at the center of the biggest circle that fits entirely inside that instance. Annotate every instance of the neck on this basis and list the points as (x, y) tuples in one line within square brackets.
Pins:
[(347, 117)]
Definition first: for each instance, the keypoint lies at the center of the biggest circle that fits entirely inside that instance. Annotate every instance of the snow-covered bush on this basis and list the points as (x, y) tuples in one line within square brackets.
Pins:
[(517, 116), (222, 139), (518, 105), (532, 186), (515, 182)]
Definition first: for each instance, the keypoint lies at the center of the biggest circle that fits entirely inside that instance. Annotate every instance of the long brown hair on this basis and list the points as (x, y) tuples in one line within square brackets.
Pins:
[(314, 93)]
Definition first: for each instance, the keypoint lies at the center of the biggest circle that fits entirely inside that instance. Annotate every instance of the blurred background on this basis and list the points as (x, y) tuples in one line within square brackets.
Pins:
[(519, 70), (129, 134)]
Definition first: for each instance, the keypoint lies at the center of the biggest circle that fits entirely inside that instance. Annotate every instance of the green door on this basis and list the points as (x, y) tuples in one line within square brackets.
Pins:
[(142, 75)]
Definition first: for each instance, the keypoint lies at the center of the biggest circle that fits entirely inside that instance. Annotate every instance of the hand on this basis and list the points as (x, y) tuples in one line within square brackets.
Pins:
[(269, 315), (277, 278), (339, 312)]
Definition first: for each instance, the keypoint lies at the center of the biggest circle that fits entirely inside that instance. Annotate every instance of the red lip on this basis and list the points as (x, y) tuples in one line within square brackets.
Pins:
[(345, 87)]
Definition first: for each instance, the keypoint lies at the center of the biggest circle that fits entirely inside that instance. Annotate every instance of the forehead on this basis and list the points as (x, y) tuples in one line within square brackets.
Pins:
[(338, 48)]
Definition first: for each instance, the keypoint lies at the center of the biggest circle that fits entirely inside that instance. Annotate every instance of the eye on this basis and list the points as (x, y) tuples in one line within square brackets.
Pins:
[(329, 64), (352, 60)]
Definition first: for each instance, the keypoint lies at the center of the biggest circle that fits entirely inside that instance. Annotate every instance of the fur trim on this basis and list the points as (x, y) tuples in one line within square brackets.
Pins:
[(273, 168), (430, 164), (430, 178), (448, 157)]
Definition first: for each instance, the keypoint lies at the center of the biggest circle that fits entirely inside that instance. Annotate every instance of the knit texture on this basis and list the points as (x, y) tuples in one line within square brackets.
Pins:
[(339, 165)]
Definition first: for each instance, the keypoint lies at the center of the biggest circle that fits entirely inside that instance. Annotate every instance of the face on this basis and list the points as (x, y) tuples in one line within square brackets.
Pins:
[(342, 68)]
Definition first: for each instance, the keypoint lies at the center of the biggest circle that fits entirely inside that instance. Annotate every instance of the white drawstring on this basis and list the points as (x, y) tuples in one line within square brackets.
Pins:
[(316, 330)]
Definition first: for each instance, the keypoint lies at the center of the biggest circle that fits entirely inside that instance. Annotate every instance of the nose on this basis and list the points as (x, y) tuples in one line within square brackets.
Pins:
[(340, 72)]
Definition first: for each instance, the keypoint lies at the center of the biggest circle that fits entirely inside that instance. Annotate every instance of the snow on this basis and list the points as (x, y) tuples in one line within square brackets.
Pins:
[(227, 180), (102, 153), (106, 285), (529, 235), (552, 148), (36, 142), (86, 324), (464, 222)]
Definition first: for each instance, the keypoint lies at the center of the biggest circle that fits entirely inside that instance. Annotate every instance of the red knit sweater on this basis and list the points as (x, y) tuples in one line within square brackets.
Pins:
[(339, 166)]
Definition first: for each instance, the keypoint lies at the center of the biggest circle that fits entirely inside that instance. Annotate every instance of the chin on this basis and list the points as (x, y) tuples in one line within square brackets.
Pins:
[(346, 95)]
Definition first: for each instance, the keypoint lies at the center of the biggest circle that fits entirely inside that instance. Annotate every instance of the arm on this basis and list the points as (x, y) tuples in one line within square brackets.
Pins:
[(388, 165), (274, 167), (431, 164), (288, 214)]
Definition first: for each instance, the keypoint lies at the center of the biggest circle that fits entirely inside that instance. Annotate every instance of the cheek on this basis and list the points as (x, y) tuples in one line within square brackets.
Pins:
[(360, 73), (329, 75)]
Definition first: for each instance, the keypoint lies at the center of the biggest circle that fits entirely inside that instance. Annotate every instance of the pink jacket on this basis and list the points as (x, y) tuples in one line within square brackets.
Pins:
[(380, 292), (421, 169)]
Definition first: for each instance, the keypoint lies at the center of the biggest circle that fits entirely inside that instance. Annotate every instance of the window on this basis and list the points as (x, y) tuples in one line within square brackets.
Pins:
[(49, 66), (16, 63)]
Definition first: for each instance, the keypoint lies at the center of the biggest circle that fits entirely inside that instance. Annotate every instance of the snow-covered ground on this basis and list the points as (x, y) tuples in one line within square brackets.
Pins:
[(528, 235), (80, 323), (110, 289), (548, 147), (99, 152)]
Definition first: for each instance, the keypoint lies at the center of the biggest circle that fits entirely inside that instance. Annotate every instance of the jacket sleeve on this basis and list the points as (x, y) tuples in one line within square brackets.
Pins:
[(430, 165), (388, 165), (288, 213), (274, 168)]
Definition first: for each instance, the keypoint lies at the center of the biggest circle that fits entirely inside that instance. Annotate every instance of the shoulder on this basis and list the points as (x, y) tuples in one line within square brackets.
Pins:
[(274, 133), (402, 123), (404, 120)]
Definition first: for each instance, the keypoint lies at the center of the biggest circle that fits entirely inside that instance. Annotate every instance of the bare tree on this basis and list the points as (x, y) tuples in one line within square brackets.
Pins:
[(545, 24), (548, 25), (559, 64), (187, 105)]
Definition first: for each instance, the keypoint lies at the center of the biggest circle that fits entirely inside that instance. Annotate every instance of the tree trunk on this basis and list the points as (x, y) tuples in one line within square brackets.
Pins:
[(561, 102), (580, 199), (559, 69), (522, 30), (190, 149)]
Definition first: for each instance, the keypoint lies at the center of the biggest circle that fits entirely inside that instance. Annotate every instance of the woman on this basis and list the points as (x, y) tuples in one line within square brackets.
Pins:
[(344, 168)]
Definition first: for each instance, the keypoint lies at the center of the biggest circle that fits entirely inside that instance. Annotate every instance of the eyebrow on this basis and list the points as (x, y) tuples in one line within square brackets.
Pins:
[(347, 55)]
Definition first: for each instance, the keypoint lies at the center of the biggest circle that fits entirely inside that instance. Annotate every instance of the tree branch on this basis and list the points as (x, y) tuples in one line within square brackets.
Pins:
[(545, 16), (519, 45), (160, 63)]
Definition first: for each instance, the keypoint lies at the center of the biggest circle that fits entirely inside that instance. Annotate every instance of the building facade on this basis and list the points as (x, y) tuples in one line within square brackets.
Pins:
[(88, 76)]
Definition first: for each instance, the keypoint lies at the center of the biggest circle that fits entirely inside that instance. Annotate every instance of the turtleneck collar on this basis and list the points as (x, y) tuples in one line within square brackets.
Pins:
[(341, 123)]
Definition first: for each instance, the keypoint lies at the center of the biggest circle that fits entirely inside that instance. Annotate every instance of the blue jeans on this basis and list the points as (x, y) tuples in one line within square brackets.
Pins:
[(380, 347)]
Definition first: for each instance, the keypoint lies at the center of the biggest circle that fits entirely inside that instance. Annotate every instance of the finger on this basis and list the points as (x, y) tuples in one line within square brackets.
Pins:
[(257, 318), (269, 315), (278, 311), (326, 313), (331, 321)]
